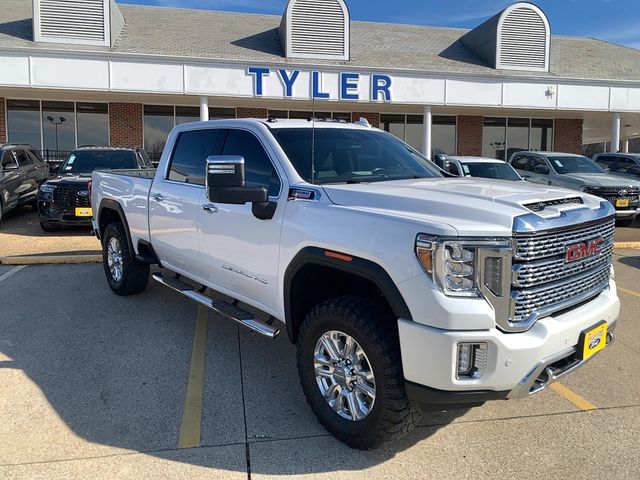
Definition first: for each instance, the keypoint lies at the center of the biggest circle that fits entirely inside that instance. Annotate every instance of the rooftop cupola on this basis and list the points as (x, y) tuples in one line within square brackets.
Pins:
[(316, 29), (517, 38), (79, 22)]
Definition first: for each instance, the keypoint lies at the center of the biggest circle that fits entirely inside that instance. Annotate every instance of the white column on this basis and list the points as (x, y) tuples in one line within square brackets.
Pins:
[(615, 133), (625, 145), (428, 121), (204, 109)]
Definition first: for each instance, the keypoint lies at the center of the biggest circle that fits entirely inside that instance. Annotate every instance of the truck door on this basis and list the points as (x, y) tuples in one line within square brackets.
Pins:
[(175, 200), (239, 250), (11, 180)]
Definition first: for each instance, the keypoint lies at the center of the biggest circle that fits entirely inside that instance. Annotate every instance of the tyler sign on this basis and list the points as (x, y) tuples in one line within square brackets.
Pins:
[(321, 85)]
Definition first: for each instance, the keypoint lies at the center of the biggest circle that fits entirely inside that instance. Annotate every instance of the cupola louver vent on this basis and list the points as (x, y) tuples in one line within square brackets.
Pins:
[(316, 29)]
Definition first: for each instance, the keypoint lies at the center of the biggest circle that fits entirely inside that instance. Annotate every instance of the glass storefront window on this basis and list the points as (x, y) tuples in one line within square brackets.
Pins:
[(158, 123), (187, 115), (58, 126), (517, 136), (393, 124), (414, 135), (23, 122), (443, 135), (494, 138), (93, 123), (218, 113), (541, 135), (346, 116), (283, 114)]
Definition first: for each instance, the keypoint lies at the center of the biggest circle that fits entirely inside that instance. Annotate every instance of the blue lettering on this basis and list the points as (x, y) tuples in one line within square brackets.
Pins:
[(349, 88), (259, 74), (315, 86), (288, 81), (380, 84)]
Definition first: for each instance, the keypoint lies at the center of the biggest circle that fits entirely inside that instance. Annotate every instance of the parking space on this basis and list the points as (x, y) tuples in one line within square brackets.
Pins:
[(99, 386)]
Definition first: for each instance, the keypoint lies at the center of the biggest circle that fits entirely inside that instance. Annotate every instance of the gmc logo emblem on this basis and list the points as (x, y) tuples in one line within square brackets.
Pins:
[(583, 250)]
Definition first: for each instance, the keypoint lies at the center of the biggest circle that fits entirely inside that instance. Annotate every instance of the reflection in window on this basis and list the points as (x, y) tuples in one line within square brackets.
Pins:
[(93, 124), (58, 126), (158, 123), (494, 138), (517, 135), (394, 124), (411, 130), (23, 122), (187, 115), (541, 135), (443, 135), (414, 131)]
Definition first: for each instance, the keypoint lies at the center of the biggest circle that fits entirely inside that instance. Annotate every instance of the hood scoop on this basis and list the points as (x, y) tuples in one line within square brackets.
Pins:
[(538, 207)]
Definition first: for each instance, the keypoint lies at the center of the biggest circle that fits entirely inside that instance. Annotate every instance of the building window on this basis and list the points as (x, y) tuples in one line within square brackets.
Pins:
[(158, 122), (410, 129), (58, 127), (502, 137), (93, 123), (23, 122), (305, 115)]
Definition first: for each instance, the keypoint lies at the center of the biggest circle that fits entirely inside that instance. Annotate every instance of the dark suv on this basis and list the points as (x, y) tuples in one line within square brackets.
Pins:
[(622, 164), (65, 200), (22, 171)]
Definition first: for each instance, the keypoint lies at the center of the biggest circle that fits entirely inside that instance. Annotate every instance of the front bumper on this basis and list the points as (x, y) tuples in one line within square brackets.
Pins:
[(515, 362), (51, 214)]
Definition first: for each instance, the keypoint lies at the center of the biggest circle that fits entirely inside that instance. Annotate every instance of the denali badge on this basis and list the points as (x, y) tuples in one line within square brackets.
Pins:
[(582, 250)]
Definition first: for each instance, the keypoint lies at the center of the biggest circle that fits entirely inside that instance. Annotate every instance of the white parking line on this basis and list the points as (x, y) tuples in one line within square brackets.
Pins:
[(12, 272)]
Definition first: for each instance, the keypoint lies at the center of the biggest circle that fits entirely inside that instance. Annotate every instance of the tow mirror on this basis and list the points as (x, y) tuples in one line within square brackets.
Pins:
[(226, 182)]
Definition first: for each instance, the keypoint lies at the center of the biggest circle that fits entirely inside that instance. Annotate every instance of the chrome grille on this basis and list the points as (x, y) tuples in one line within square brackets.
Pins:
[(67, 196), (557, 295), (544, 246), (531, 274)]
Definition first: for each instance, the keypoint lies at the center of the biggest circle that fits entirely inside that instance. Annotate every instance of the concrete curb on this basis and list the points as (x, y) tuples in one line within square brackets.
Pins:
[(51, 260), (627, 245)]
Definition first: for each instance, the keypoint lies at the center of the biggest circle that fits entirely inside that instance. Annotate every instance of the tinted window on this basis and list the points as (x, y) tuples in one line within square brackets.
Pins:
[(574, 165), (23, 158), (540, 164), (453, 168), (35, 155), (501, 171), (626, 164), (86, 161), (8, 160), (520, 162), (190, 155), (258, 168), (606, 161), (348, 155)]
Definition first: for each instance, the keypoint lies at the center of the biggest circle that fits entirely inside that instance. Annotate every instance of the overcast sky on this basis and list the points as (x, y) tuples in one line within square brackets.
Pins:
[(616, 21)]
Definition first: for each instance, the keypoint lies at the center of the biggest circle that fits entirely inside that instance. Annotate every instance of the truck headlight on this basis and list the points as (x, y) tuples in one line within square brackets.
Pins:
[(465, 268), (47, 188)]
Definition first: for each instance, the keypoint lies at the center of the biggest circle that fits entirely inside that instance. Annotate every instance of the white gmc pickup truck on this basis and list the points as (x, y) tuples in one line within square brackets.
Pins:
[(403, 290)]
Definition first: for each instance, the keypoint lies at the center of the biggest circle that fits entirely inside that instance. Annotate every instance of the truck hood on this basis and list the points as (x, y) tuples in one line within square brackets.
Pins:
[(601, 180), (472, 206), (80, 179)]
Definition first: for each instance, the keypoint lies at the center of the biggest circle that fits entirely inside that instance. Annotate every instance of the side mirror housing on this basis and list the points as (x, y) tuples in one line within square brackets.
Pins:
[(225, 182)]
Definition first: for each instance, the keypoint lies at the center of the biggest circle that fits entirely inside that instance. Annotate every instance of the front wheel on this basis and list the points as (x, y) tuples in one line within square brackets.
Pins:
[(125, 274), (351, 371)]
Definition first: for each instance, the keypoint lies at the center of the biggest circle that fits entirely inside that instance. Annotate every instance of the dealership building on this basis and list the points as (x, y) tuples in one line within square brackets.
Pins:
[(78, 72)]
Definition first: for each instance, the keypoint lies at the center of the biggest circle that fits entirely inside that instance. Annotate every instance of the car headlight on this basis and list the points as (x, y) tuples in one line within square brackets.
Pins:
[(467, 268), (47, 188)]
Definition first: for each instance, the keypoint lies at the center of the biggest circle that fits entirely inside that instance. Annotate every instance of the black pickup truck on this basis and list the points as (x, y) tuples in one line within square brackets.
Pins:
[(22, 171), (65, 200)]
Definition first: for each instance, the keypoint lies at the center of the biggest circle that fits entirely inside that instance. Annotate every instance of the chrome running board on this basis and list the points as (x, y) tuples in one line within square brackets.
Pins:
[(226, 310)]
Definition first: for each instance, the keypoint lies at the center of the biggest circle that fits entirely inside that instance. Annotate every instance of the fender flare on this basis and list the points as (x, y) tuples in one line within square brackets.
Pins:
[(110, 204), (357, 266)]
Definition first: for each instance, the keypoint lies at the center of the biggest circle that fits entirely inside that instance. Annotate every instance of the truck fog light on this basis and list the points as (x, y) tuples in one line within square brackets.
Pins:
[(472, 360)]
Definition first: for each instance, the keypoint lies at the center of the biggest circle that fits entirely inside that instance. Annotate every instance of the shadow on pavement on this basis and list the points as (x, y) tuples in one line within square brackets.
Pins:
[(114, 370)]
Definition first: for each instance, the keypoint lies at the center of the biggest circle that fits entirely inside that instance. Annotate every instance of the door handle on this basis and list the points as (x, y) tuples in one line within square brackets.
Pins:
[(210, 208), (158, 197)]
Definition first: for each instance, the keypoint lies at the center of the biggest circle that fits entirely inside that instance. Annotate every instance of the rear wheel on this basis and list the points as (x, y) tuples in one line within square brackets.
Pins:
[(351, 371), (125, 274)]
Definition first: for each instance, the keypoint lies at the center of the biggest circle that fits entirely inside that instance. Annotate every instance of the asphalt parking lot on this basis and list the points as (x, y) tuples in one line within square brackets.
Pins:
[(98, 386)]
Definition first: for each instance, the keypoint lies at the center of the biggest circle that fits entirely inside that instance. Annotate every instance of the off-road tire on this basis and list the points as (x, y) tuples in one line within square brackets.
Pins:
[(135, 274), (370, 322)]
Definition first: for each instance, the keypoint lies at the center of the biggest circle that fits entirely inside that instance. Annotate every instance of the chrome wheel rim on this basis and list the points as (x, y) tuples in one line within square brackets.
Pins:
[(344, 375), (114, 259)]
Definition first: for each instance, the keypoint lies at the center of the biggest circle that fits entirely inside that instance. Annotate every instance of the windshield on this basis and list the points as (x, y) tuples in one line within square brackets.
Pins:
[(501, 171), (86, 161), (351, 156), (575, 165)]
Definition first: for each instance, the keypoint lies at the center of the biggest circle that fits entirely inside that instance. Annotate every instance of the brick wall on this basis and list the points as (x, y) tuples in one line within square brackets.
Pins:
[(568, 135), (470, 135), (125, 124), (252, 112), (3, 127), (372, 118)]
